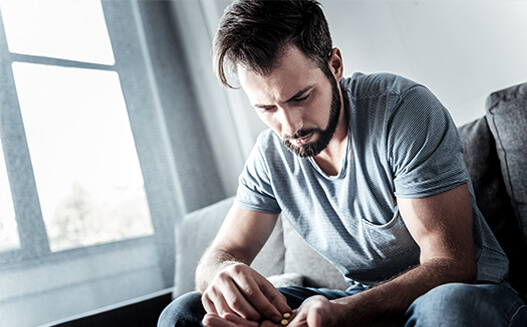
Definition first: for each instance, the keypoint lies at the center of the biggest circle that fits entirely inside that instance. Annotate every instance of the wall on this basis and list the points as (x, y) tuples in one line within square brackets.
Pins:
[(462, 50)]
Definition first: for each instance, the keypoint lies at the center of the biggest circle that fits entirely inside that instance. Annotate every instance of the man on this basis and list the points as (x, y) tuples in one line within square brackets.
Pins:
[(368, 169)]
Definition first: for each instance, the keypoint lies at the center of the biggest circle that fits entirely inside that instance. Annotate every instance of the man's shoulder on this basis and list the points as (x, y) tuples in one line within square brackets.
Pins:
[(267, 140), (269, 147), (361, 85)]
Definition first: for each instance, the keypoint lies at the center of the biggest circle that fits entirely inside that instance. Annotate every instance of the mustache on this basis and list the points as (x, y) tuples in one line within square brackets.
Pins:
[(301, 133)]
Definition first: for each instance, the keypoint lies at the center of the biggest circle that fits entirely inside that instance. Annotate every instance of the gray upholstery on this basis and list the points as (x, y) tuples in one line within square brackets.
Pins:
[(483, 166), (197, 230), (507, 114)]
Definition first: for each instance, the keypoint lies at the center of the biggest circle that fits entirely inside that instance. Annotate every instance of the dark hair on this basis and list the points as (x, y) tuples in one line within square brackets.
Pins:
[(253, 33)]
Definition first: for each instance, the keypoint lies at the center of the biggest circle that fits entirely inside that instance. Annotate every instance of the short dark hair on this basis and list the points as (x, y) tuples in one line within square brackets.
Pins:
[(253, 33)]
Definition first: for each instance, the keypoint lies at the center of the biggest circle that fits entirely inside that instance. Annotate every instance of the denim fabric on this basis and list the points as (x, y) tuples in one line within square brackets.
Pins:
[(457, 304), (449, 305)]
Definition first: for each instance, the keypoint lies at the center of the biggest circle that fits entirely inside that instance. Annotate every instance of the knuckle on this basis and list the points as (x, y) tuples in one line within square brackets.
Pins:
[(237, 268), (249, 292), (222, 276), (235, 303)]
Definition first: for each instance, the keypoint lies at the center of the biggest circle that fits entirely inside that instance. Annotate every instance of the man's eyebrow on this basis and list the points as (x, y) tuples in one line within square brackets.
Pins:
[(294, 97)]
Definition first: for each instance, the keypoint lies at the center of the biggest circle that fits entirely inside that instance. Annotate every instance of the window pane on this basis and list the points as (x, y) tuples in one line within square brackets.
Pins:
[(86, 167), (8, 232), (65, 29)]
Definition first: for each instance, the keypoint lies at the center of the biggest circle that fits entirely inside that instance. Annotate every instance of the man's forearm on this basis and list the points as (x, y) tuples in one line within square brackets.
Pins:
[(389, 301)]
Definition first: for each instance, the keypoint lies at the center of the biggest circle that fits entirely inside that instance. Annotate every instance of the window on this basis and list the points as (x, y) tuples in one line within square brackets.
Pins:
[(88, 187), (84, 160), (103, 151), (83, 157)]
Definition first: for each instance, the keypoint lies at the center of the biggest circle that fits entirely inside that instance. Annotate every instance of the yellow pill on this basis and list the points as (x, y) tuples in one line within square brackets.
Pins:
[(287, 315), (284, 322)]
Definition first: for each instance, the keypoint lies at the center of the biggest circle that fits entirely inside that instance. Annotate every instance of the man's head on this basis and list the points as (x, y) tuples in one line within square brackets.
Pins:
[(253, 34), (283, 56)]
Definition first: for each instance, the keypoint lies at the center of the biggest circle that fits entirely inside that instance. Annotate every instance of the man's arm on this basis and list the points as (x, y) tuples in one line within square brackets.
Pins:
[(442, 227), (223, 276)]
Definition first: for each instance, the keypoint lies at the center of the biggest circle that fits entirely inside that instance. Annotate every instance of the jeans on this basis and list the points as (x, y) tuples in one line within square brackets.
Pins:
[(451, 305)]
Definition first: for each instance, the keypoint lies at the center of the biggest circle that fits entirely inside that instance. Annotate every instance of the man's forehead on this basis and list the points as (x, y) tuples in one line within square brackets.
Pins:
[(268, 90), (283, 83)]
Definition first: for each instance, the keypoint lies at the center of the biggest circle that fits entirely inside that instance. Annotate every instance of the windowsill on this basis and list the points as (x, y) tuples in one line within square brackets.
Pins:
[(143, 310)]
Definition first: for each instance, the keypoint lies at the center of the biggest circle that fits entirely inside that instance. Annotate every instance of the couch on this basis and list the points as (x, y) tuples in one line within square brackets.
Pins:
[(495, 148)]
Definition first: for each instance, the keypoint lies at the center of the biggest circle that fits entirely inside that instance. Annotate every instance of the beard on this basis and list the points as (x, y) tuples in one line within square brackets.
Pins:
[(324, 135)]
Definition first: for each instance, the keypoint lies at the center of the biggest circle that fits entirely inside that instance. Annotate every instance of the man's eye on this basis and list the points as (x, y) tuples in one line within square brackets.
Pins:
[(266, 109), (302, 98)]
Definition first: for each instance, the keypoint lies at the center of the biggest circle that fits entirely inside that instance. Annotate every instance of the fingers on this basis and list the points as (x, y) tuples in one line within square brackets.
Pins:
[(213, 320), (230, 320), (277, 299), (314, 312), (224, 297), (241, 306), (242, 291), (264, 297)]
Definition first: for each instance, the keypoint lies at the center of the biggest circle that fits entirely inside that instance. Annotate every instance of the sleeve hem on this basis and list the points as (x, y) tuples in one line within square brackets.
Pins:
[(427, 190), (247, 206)]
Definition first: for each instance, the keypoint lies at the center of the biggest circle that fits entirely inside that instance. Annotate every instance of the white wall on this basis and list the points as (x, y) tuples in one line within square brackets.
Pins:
[(462, 50)]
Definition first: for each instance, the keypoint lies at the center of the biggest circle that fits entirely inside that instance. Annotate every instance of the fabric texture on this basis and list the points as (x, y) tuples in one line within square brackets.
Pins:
[(449, 305), (286, 280), (401, 142), (483, 165), (507, 116), (299, 255)]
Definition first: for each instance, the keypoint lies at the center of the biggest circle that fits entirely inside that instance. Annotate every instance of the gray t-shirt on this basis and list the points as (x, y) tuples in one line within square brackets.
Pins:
[(401, 143)]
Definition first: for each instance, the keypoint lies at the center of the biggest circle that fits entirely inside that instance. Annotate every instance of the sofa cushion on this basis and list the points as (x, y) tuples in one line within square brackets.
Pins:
[(483, 166), (507, 116), (301, 258)]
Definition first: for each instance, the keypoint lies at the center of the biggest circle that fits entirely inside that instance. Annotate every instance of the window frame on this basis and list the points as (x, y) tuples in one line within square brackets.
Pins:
[(34, 247)]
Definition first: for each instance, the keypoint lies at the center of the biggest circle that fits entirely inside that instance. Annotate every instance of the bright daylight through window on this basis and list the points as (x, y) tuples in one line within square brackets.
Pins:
[(86, 169), (83, 155)]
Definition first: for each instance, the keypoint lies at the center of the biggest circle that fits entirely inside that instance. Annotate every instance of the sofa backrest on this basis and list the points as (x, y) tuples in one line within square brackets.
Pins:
[(496, 158)]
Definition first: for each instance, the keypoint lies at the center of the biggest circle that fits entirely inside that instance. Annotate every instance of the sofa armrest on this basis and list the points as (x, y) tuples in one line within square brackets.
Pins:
[(197, 230), (194, 233)]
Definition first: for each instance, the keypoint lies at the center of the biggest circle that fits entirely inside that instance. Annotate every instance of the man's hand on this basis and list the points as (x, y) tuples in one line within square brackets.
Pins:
[(240, 291), (232, 320), (316, 311)]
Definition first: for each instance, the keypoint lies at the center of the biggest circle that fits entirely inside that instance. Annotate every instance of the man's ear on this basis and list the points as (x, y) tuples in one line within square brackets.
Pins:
[(336, 65)]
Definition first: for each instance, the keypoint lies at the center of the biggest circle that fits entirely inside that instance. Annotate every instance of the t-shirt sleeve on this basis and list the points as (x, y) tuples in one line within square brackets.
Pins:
[(255, 191), (424, 146)]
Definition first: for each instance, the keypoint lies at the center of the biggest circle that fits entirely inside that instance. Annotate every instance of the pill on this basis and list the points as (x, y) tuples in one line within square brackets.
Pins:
[(287, 315), (284, 322)]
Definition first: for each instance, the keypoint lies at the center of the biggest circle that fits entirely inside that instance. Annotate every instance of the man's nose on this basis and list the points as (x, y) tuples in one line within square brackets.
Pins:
[(291, 120)]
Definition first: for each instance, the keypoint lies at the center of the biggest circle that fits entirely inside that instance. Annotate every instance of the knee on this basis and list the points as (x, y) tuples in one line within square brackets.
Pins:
[(186, 310), (454, 304)]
